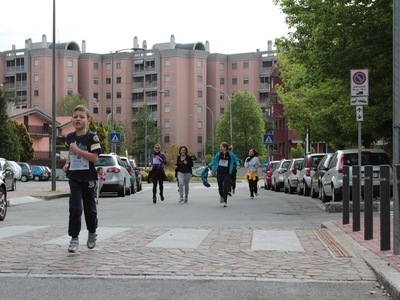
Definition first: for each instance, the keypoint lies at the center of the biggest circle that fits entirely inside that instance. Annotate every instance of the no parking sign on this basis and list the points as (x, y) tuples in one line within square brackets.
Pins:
[(359, 83)]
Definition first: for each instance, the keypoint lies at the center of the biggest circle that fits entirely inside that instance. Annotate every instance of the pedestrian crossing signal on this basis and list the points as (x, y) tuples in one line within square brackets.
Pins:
[(115, 138), (268, 139)]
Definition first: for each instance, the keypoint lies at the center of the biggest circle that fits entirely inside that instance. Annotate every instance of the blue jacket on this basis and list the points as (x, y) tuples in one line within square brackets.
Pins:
[(233, 161)]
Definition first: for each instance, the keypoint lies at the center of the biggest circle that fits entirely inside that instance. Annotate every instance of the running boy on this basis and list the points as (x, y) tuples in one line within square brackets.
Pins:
[(84, 149)]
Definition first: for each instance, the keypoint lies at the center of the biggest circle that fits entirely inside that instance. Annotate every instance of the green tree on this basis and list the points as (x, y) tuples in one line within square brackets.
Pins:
[(328, 39), (103, 137), (66, 105), (9, 144), (247, 124)]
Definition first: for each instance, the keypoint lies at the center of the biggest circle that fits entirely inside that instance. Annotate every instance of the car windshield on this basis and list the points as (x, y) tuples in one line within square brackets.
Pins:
[(105, 161), (367, 159), (285, 164)]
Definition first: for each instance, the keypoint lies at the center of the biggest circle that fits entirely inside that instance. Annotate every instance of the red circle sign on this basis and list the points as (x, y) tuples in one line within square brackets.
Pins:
[(359, 78)]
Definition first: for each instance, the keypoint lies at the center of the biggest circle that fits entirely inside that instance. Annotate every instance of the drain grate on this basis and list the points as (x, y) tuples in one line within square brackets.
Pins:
[(336, 247)]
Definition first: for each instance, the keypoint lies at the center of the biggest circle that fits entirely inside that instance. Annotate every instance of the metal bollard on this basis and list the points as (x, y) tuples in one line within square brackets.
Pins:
[(346, 195), (368, 203), (384, 191), (356, 198)]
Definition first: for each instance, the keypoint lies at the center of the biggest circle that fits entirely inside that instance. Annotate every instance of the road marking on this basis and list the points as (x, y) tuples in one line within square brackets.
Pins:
[(22, 200), (16, 230), (276, 240), (103, 234), (180, 238)]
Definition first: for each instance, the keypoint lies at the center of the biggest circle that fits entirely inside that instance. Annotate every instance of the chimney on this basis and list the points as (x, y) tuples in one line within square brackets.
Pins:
[(83, 46), (269, 45), (135, 42), (172, 42), (13, 47), (44, 41), (207, 46), (144, 44), (28, 44)]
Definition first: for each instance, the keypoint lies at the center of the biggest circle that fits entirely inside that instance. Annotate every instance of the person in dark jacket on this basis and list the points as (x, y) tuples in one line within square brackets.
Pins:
[(183, 166), (157, 162)]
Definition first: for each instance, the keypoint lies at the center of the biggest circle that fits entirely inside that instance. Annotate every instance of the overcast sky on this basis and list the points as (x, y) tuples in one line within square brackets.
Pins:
[(230, 26)]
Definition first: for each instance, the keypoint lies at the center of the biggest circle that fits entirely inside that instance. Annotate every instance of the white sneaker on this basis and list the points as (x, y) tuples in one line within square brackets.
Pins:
[(181, 200), (233, 192), (225, 204), (221, 199), (186, 199), (91, 242), (73, 245)]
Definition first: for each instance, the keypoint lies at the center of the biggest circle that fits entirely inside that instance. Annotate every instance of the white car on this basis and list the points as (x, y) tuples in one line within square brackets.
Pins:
[(17, 169), (278, 176), (117, 177), (291, 175), (332, 181)]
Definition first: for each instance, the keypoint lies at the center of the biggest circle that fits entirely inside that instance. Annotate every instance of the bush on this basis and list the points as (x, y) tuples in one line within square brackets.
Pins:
[(170, 175)]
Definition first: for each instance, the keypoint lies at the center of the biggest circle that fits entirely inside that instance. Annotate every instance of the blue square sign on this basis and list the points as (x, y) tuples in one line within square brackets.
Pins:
[(115, 138), (268, 139)]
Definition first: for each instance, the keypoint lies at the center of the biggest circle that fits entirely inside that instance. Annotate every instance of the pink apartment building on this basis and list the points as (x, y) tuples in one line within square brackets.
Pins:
[(185, 86)]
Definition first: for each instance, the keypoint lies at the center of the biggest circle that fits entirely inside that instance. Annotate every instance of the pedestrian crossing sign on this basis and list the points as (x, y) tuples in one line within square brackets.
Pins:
[(115, 138), (268, 139)]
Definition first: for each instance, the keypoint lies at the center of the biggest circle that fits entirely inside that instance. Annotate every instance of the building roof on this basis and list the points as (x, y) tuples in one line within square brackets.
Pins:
[(63, 121), (29, 111)]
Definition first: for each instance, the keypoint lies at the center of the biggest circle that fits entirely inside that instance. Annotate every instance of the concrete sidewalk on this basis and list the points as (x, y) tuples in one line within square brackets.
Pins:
[(384, 264)]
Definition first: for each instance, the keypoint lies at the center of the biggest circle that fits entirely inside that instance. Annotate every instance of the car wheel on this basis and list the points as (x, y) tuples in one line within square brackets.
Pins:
[(299, 190), (320, 192), (121, 192), (140, 187), (265, 185), (306, 190), (3, 204), (132, 189), (325, 198), (335, 195), (24, 178), (285, 189), (36, 178), (313, 193), (291, 189)]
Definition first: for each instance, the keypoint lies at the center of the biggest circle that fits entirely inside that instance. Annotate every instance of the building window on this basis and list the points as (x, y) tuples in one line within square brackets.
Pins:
[(36, 93), (221, 110), (222, 81), (166, 139), (221, 66), (166, 78), (108, 80), (221, 96), (245, 65), (199, 78), (167, 62), (95, 66), (119, 95), (70, 78), (234, 80), (167, 108), (95, 110), (95, 81), (200, 139), (118, 111), (69, 63), (108, 95), (166, 124), (118, 65), (36, 77), (246, 80), (36, 62), (234, 66), (108, 66), (199, 124), (200, 94), (70, 92), (118, 79), (108, 110), (36, 106), (199, 109)]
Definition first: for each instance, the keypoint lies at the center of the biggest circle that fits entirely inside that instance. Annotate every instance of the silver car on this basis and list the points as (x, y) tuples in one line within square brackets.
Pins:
[(7, 174), (117, 176), (310, 164), (278, 176), (332, 181), (291, 175)]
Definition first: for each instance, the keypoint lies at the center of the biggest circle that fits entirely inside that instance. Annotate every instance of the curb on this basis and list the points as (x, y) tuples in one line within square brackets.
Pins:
[(52, 196), (386, 275)]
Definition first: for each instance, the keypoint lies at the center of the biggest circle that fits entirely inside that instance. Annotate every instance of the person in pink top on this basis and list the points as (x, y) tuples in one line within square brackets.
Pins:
[(101, 177)]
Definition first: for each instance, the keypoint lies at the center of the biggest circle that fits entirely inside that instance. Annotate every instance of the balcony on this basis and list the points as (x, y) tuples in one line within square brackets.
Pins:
[(35, 130)]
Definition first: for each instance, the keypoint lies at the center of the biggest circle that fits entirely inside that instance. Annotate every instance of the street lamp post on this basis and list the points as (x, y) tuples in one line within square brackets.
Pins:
[(113, 146), (160, 108), (212, 124), (204, 139), (230, 106)]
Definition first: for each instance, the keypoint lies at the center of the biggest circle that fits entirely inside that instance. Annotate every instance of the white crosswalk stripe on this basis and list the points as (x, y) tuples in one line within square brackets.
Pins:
[(6, 232)]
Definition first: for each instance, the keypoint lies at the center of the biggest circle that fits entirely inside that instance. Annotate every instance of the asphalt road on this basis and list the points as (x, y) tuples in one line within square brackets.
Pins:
[(268, 210)]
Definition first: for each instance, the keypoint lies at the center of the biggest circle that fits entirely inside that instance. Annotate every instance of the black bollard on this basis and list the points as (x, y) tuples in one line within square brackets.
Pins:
[(356, 198), (368, 203), (384, 191), (346, 195)]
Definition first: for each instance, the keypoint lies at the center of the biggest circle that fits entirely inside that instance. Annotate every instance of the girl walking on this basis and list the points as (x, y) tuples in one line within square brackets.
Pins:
[(183, 167), (252, 163)]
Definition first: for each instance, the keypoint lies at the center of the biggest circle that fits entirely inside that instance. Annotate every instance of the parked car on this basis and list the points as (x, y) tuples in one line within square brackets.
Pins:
[(138, 178), (310, 164), (268, 173), (26, 171), (7, 174), (291, 179), (48, 170), (117, 176), (332, 182), (39, 173), (131, 171), (316, 189), (3, 200), (196, 172), (16, 168), (278, 176)]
